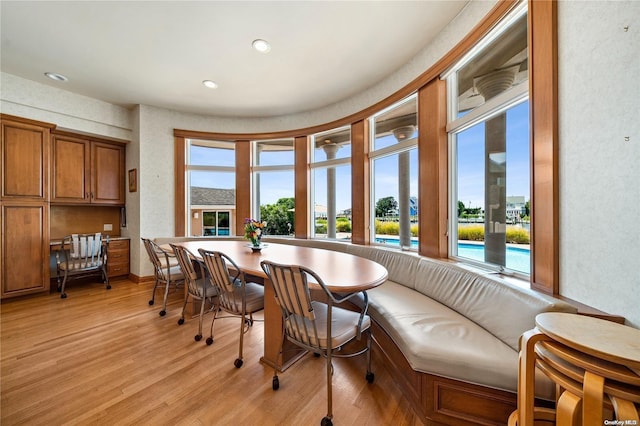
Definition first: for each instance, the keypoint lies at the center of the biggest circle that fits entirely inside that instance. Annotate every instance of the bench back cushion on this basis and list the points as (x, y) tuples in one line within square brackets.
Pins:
[(501, 308)]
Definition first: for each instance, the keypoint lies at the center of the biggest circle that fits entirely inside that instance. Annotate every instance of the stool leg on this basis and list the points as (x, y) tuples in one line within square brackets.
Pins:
[(569, 410), (526, 376), (625, 409), (593, 388)]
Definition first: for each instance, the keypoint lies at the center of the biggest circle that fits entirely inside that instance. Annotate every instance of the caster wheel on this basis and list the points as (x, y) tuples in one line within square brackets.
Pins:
[(163, 313), (198, 337), (370, 377), (181, 321), (238, 363), (326, 421), (275, 383), (63, 296), (150, 302), (109, 287), (209, 341)]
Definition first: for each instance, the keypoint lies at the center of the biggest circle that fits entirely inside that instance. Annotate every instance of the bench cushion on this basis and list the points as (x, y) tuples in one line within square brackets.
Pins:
[(437, 340), (498, 306)]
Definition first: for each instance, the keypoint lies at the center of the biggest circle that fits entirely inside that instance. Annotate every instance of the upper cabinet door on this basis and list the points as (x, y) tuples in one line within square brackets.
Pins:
[(87, 171), (107, 175), (25, 159), (71, 180)]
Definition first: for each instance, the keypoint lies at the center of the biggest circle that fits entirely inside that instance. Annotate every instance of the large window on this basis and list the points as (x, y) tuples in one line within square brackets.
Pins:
[(331, 184), (488, 129), (394, 171), (273, 179), (211, 187)]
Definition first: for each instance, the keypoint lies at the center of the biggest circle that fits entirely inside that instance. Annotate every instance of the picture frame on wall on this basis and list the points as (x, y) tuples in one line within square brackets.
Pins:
[(133, 180)]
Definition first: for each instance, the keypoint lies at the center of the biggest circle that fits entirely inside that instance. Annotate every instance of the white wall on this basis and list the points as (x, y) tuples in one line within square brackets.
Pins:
[(599, 102), (599, 175)]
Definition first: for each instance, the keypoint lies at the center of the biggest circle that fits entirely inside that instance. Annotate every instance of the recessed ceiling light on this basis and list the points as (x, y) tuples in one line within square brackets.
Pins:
[(210, 84), (55, 76), (261, 46)]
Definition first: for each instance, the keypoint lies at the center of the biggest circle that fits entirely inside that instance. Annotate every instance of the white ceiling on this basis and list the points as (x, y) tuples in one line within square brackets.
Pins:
[(158, 53)]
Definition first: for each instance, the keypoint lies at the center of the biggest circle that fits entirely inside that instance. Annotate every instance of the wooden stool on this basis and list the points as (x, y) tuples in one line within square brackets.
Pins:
[(595, 365)]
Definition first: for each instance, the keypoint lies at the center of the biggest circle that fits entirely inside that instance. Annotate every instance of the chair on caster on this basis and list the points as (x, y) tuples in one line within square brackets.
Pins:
[(82, 255), (236, 296), (167, 272), (198, 284), (317, 326)]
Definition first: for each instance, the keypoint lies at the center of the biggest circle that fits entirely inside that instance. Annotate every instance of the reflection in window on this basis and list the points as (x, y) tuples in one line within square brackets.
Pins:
[(394, 171), (489, 136), (331, 184)]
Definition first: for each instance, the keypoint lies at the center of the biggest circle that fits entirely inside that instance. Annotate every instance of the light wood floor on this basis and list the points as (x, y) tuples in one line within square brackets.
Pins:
[(107, 357)]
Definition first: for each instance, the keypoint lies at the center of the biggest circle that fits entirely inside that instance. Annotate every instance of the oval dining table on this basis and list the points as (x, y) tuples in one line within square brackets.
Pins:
[(342, 273)]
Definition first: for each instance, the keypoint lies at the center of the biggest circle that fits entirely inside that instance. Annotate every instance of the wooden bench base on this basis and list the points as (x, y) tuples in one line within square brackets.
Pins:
[(442, 401)]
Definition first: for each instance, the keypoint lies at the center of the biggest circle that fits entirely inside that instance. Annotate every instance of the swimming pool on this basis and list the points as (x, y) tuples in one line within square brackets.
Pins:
[(518, 259)]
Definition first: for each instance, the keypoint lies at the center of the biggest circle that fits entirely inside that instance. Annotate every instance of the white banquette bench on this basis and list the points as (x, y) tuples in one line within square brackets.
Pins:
[(448, 335)]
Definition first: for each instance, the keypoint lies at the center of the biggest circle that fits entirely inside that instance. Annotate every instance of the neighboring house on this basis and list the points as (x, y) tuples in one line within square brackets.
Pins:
[(212, 211), (515, 208)]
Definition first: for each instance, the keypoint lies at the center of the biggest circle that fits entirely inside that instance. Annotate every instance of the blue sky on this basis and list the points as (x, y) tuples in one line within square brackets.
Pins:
[(275, 185)]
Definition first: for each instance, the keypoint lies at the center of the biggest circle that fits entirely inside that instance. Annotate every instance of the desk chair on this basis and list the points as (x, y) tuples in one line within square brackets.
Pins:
[(236, 296), (167, 272), (199, 286), (316, 326), (82, 255)]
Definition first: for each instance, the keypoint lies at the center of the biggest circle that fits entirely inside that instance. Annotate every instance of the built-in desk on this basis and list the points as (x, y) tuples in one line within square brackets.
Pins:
[(117, 256)]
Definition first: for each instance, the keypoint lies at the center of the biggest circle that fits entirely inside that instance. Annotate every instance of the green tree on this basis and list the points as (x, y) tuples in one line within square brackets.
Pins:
[(461, 208), (279, 216), (385, 206)]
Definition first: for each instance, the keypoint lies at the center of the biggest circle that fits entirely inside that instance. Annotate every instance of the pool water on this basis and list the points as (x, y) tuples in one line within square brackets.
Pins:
[(518, 259)]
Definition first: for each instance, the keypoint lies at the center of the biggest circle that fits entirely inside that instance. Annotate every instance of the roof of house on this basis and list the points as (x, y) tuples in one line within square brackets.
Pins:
[(212, 196)]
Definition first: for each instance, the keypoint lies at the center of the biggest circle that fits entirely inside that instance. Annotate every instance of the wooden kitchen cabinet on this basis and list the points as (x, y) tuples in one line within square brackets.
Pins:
[(87, 171), (25, 248), (24, 206), (25, 159)]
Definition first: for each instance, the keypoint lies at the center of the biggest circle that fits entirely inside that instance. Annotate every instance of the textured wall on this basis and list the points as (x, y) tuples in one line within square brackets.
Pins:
[(599, 65), (599, 175)]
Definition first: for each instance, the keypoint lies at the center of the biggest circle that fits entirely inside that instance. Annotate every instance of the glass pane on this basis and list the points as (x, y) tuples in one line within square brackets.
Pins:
[(331, 211), (223, 223), (275, 196), (274, 153), (212, 153), (331, 145), (502, 64), (395, 197), (398, 124), (202, 179), (208, 191), (493, 190)]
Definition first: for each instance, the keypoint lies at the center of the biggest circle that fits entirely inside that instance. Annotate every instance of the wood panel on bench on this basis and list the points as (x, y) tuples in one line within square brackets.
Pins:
[(441, 401)]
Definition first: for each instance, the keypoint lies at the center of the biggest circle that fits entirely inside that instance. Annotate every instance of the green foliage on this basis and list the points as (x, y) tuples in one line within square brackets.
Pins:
[(343, 224), (387, 228), (385, 205), (514, 234), (471, 233), (321, 228), (517, 235), (278, 216)]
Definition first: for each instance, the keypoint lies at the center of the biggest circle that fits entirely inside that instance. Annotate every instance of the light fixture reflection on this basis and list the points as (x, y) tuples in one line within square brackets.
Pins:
[(210, 84)]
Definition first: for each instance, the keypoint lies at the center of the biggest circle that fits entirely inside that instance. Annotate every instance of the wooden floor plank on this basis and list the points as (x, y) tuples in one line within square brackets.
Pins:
[(105, 357)]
